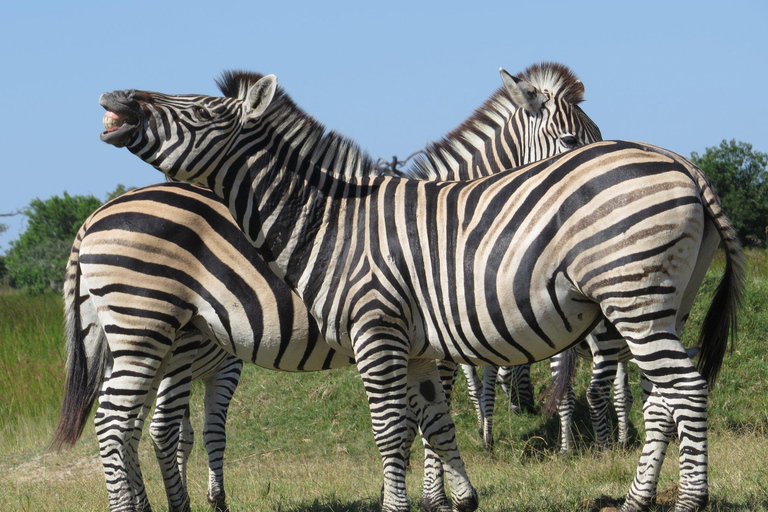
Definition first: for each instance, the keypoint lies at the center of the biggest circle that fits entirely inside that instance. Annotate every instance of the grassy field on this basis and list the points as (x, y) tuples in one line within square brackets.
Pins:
[(302, 443)]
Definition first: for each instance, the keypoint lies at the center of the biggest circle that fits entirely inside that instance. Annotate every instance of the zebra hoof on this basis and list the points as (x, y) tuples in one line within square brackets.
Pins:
[(692, 502), (218, 502), (468, 504), (435, 505)]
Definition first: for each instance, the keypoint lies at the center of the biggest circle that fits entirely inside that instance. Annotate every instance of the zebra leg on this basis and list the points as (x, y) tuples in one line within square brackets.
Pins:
[(218, 394), (132, 457), (565, 407), (171, 409), (384, 375), (122, 398), (677, 404), (658, 434), (431, 407), (474, 388), (132, 451), (606, 346), (516, 383), (186, 442), (622, 401), (433, 497), (488, 402)]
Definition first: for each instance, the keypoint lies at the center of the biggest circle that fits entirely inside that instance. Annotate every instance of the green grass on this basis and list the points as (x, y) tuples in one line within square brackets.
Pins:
[(303, 443), (31, 367)]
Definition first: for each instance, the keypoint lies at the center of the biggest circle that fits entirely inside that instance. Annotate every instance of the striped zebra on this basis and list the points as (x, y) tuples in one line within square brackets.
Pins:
[(155, 223), (506, 269)]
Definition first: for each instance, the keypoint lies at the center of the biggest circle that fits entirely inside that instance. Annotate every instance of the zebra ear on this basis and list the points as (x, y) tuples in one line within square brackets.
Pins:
[(523, 94), (260, 95)]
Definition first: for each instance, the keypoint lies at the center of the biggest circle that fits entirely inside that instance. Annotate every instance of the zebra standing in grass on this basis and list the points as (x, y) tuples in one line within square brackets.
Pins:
[(166, 227), (620, 229)]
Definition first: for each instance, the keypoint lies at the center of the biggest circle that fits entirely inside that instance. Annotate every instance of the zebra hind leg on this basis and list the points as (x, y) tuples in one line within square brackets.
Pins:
[(170, 411), (116, 419), (516, 384), (622, 400), (218, 394), (474, 388), (677, 405), (598, 398), (566, 403), (488, 403)]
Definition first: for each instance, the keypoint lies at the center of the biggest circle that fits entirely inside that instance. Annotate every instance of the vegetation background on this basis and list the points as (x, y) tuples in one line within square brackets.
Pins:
[(302, 442)]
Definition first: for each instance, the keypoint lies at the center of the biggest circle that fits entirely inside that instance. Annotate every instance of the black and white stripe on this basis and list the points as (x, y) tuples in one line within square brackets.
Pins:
[(151, 213), (506, 269)]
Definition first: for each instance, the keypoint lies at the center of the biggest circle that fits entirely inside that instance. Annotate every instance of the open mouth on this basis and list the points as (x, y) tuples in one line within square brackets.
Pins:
[(114, 121), (121, 121)]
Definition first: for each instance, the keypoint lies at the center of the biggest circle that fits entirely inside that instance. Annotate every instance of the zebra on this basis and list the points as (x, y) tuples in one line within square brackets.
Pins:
[(493, 125), (618, 229), (193, 358)]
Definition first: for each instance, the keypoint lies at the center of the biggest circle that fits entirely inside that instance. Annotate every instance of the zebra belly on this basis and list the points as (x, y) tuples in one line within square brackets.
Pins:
[(511, 335)]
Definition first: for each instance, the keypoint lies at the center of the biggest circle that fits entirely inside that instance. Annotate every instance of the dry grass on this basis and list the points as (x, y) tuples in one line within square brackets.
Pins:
[(302, 443)]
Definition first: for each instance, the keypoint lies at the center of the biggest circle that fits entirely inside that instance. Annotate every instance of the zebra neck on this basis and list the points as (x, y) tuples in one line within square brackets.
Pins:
[(289, 188), (493, 139)]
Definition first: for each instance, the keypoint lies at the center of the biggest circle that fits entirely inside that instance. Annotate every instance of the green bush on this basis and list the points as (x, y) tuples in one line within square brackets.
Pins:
[(740, 178), (37, 260)]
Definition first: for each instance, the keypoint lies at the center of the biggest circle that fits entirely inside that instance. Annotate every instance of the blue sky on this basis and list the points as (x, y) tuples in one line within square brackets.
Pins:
[(391, 75)]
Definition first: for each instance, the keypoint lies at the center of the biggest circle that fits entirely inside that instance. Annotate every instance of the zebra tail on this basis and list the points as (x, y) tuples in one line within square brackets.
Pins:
[(560, 381), (720, 321), (83, 380)]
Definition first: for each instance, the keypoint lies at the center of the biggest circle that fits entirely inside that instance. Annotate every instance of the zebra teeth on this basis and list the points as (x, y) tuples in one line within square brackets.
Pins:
[(113, 121)]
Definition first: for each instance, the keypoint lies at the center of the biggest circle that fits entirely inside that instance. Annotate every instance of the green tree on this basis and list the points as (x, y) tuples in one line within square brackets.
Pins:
[(119, 190), (739, 176), (37, 260)]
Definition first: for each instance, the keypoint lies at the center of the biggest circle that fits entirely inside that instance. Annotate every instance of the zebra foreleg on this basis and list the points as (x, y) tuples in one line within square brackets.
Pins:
[(429, 402), (434, 497), (383, 365), (218, 395)]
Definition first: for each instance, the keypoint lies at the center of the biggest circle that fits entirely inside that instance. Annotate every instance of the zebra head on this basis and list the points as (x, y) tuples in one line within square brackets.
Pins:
[(548, 115), (184, 135)]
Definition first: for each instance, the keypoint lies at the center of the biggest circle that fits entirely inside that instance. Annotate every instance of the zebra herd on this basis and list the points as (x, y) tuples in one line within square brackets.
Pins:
[(459, 261)]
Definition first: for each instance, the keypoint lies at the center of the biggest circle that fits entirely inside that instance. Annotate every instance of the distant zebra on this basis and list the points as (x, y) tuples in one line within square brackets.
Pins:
[(155, 223), (609, 363), (506, 269)]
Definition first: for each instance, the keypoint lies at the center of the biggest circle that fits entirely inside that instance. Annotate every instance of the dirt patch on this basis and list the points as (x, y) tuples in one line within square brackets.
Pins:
[(50, 467)]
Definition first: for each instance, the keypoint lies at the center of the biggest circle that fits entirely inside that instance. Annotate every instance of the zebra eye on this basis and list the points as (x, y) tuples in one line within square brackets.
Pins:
[(569, 141), (201, 113)]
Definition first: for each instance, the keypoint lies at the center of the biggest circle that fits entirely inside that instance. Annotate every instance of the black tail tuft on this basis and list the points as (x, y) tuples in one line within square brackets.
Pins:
[(82, 383)]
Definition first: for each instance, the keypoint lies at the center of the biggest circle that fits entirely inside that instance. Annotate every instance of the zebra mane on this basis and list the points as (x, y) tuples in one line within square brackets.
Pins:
[(319, 140), (494, 113)]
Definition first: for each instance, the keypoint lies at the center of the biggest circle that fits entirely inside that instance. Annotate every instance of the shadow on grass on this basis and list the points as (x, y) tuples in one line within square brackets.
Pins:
[(544, 439), (336, 505)]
